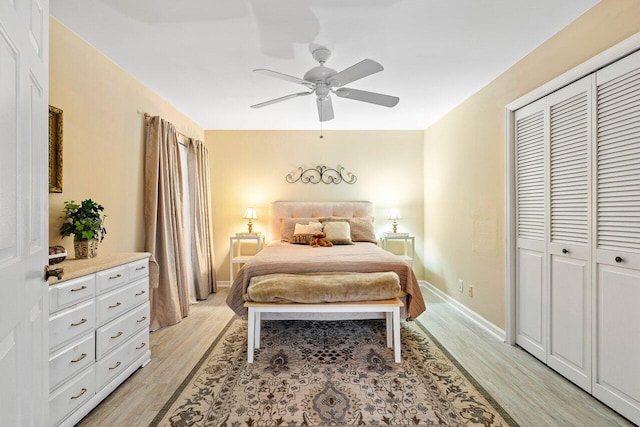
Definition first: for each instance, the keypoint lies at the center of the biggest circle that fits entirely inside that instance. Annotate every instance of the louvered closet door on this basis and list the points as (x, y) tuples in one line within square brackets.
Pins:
[(617, 182), (531, 271), (569, 350)]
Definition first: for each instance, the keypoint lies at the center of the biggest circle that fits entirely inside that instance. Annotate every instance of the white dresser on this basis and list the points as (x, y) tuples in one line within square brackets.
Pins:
[(98, 331)]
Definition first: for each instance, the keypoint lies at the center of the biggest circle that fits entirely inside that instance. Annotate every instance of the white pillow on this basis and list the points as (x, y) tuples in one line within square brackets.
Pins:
[(338, 232), (312, 227)]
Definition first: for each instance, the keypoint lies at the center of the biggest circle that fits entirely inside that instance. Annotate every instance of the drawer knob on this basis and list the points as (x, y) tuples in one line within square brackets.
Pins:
[(140, 268), (80, 322), (118, 335), (618, 259), (114, 367), (84, 390), (115, 305), (565, 251), (82, 356), (141, 293), (142, 320), (117, 276), (141, 345), (81, 288)]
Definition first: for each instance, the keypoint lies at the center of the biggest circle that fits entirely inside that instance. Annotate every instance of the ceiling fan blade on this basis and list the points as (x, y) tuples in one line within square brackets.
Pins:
[(325, 109), (283, 98), (371, 97), (355, 72), (286, 77)]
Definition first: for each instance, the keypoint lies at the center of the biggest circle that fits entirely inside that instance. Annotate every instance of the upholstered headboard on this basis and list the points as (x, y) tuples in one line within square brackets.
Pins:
[(286, 209)]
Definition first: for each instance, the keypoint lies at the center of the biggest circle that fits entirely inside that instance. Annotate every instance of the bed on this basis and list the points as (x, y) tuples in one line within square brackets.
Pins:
[(280, 257)]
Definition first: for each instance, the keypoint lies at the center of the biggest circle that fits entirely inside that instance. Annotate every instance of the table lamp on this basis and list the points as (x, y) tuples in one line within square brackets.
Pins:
[(394, 215), (250, 214)]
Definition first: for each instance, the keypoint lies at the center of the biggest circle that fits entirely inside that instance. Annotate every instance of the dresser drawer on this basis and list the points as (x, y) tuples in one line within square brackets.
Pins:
[(70, 360), (112, 278), (71, 292), (72, 395), (121, 300), (138, 269), (121, 329), (71, 323), (117, 361)]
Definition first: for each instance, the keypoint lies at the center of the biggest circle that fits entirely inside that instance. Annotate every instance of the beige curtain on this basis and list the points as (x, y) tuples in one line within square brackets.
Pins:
[(164, 225), (202, 240)]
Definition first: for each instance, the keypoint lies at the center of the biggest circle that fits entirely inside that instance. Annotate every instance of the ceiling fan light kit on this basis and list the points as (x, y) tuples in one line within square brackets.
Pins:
[(323, 81)]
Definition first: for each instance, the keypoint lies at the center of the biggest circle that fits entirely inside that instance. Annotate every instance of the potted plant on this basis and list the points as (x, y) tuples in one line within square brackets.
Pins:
[(85, 222)]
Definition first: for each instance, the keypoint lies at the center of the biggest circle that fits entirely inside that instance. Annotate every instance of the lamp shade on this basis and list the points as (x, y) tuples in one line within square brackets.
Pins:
[(250, 213), (394, 214)]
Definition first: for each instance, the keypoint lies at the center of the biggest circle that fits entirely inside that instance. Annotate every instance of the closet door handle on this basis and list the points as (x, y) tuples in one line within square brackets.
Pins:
[(618, 259), (565, 251)]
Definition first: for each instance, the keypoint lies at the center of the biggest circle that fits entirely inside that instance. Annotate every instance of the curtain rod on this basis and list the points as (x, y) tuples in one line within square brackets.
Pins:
[(147, 116)]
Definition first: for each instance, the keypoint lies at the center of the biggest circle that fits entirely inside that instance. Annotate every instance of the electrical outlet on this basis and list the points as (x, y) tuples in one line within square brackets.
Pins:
[(460, 285), (470, 290)]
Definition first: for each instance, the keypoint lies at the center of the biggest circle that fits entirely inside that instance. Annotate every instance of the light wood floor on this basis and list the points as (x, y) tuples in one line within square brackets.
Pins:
[(530, 392)]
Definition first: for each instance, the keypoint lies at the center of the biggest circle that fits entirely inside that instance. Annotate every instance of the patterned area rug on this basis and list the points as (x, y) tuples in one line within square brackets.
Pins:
[(336, 373)]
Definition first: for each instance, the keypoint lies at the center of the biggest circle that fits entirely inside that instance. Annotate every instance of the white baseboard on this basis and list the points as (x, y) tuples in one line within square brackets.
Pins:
[(223, 283), (464, 310)]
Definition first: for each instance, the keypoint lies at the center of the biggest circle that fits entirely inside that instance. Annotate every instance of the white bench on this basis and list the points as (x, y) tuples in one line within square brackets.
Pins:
[(390, 307)]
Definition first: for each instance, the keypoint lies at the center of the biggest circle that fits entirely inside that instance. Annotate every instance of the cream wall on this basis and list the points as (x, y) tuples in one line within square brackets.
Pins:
[(103, 109), (248, 168), (464, 161)]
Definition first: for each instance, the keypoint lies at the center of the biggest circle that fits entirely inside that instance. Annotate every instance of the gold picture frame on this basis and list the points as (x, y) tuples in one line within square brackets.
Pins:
[(55, 150)]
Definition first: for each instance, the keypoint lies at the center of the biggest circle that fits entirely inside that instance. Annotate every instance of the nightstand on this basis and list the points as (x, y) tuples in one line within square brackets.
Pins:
[(408, 245), (235, 250)]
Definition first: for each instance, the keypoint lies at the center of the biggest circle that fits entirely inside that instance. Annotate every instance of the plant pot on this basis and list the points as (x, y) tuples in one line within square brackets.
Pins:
[(86, 248)]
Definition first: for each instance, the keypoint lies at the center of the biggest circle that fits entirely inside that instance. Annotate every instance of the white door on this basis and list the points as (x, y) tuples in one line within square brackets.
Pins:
[(617, 181), (24, 87), (531, 264), (569, 112)]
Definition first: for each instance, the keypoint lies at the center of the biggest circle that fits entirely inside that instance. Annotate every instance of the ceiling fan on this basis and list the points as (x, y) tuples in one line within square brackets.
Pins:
[(323, 81)]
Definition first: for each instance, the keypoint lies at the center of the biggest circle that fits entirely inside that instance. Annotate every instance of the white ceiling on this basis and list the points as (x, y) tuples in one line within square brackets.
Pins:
[(198, 54)]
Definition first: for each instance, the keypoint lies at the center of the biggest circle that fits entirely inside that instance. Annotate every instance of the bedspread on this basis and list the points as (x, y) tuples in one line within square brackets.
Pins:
[(361, 258)]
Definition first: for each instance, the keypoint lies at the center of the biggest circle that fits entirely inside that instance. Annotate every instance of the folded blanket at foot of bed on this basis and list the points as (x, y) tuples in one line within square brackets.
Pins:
[(324, 287)]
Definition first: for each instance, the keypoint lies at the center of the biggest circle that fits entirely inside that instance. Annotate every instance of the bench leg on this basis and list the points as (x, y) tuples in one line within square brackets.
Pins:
[(258, 325), (389, 323), (250, 334), (396, 334)]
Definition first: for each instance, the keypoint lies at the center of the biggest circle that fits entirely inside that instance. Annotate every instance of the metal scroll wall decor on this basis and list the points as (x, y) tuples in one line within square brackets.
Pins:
[(320, 174)]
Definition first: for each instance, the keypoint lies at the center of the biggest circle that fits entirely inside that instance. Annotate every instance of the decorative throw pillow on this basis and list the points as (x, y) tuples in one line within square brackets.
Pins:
[(301, 239), (362, 229), (312, 227), (338, 232), (303, 233), (287, 226)]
